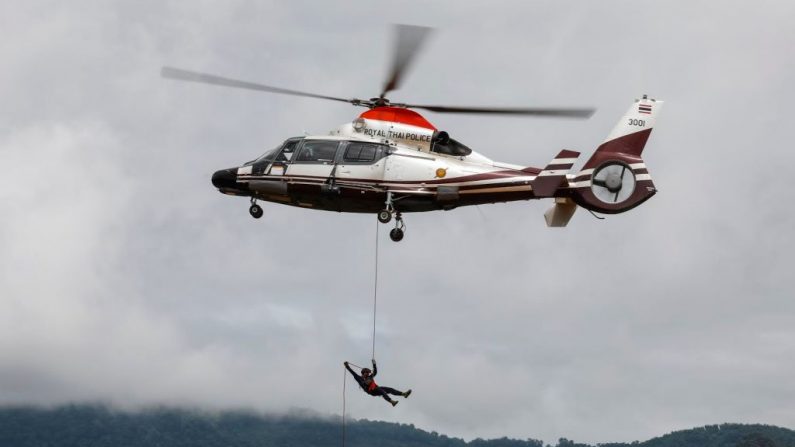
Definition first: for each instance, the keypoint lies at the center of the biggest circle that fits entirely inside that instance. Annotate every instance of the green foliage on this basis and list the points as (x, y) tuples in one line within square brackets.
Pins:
[(724, 435), (98, 426), (731, 435)]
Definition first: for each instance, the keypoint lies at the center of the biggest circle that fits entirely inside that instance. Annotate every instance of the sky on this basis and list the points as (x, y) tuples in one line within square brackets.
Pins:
[(126, 278)]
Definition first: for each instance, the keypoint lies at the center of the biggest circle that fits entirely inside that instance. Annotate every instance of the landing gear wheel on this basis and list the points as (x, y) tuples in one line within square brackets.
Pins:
[(396, 234), (384, 216), (255, 211)]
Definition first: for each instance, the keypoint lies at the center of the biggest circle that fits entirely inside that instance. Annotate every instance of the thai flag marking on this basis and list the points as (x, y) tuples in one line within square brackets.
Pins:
[(644, 108)]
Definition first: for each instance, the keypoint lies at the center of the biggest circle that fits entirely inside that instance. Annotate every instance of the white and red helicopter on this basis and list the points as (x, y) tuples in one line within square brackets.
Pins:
[(390, 160)]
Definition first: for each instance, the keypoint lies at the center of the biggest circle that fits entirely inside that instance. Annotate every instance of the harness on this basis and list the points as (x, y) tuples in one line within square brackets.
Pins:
[(371, 386)]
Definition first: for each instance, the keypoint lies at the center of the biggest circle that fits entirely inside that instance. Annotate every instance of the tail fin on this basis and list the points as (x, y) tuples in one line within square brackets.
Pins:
[(633, 130), (554, 174), (615, 178)]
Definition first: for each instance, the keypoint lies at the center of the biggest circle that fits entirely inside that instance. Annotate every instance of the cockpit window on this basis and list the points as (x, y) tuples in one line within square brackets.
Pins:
[(267, 156), (287, 152), (283, 152), (451, 147), (317, 151)]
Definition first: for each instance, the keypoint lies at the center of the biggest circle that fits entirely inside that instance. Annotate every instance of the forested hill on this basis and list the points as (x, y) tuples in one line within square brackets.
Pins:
[(97, 426)]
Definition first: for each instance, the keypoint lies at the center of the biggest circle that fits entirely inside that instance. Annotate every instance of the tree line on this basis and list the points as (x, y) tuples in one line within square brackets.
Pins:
[(100, 426)]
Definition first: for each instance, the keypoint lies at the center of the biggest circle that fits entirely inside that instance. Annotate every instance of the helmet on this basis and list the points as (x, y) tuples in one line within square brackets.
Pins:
[(366, 371)]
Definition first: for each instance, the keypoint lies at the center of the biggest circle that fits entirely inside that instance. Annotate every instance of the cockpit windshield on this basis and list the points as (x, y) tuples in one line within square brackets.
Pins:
[(283, 152), (268, 156)]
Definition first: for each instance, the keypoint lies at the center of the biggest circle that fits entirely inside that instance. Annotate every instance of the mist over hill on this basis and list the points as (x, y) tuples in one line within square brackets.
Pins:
[(100, 426)]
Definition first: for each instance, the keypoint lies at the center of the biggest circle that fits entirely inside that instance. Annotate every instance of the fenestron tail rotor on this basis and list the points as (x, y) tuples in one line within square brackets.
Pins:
[(613, 183), (409, 40)]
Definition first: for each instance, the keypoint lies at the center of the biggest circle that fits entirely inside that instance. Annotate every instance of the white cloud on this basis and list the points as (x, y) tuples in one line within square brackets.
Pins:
[(125, 277)]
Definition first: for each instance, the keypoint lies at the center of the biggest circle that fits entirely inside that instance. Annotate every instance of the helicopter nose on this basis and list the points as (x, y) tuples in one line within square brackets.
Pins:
[(225, 178)]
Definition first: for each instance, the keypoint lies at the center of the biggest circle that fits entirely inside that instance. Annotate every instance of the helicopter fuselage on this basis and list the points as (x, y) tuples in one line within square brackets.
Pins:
[(385, 152), (390, 160)]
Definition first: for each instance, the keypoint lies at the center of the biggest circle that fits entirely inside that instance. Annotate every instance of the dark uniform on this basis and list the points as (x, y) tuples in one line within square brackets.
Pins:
[(370, 387)]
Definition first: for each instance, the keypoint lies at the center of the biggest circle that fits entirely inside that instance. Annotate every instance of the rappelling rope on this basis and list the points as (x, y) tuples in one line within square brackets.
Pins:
[(375, 309), (344, 379), (375, 286)]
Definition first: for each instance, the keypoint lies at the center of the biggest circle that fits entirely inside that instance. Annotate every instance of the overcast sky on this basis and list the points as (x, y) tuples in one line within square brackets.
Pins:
[(125, 277)]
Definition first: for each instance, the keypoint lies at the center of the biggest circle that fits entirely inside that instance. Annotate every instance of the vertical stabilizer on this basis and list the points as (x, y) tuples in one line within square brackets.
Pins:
[(629, 136)]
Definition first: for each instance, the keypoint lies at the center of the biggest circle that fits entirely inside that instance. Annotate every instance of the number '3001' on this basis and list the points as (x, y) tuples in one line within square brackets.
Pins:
[(636, 122)]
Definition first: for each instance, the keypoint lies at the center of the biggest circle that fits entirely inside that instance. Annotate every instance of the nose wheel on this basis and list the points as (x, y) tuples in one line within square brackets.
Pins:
[(255, 210), (397, 233), (384, 216)]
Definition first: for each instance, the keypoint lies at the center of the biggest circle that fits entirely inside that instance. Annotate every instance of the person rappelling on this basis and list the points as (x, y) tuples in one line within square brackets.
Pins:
[(365, 380)]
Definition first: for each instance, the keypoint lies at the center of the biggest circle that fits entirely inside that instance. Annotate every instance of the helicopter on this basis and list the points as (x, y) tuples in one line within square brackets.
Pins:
[(390, 160)]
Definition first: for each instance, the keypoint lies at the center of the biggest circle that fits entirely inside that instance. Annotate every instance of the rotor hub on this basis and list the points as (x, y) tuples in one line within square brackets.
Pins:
[(379, 102), (613, 182)]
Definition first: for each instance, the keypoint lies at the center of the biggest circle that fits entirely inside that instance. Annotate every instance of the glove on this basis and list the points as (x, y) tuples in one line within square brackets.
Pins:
[(373, 362), (345, 363)]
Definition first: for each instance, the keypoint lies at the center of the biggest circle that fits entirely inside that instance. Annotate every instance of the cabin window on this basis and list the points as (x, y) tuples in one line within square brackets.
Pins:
[(360, 153), (317, 151)]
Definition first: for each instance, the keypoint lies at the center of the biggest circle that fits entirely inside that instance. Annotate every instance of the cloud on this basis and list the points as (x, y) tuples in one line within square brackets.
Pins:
[(126, 278)]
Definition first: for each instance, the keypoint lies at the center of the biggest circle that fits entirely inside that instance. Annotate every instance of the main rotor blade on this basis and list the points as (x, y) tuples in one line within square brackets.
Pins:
[(555, 112), (195, 76), (408, 41)]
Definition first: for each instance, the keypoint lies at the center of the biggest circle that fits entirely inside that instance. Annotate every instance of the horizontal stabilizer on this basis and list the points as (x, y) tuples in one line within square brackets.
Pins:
[(560, 213), (554, 174)]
